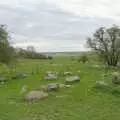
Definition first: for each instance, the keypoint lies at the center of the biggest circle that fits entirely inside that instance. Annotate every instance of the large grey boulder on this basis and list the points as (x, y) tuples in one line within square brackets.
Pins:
[(35, 95), (72, 79), (96, 66), (50, 87), (50, 76)]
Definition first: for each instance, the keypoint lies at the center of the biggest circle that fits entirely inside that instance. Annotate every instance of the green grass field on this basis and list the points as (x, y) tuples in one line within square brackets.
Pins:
[(81, 102)]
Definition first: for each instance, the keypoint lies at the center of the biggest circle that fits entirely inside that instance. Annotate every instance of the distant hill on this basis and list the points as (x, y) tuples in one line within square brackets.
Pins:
[(64, 53)]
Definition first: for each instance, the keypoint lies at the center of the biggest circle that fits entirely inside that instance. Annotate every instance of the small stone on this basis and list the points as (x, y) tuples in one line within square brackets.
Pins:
[(23, 89), (72, 79), (101, 85), (64, 86), (115, 73), (96, 66), (50, 87), (116, 78), (3, 79), (67, 73), (36, 95), (20, 76), (50, 76)]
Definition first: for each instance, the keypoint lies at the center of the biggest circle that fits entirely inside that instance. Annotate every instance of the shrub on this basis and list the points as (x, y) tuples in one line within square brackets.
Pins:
[(50, 57), (83, 59)]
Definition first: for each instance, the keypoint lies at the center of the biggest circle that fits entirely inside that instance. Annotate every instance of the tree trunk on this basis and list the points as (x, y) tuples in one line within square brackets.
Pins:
[(112, 60)]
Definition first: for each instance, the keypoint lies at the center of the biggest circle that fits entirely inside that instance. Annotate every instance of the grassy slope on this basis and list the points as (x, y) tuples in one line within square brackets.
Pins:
[(82, 102)]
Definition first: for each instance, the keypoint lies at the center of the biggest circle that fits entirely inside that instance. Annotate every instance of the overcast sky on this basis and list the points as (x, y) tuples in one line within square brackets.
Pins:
[(57, 25)]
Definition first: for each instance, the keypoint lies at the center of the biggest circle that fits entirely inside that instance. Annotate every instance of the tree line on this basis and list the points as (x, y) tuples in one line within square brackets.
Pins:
[(31, 53), (8, 54)]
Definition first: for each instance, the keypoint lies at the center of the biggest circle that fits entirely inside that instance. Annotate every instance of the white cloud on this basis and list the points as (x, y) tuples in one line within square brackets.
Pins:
[(92, 8), (57, 25), (84, 8)]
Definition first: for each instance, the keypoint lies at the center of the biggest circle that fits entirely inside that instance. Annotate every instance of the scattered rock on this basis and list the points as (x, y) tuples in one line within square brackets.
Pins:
[(50, 87), (72, 79), (64, 86), (96, 66), (24, 89), (115, 78), (53, 86), (20, 76), (101, 85), (3, 79), (50, 76), (118, 65), (61, 96), (115, 73), (35, 95), (67, 73)]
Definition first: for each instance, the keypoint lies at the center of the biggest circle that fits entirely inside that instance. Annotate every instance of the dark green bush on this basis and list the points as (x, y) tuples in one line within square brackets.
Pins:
[(83, 59)]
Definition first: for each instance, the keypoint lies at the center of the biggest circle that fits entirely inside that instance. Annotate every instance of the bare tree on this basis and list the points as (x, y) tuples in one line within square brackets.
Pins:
[(106, 42)]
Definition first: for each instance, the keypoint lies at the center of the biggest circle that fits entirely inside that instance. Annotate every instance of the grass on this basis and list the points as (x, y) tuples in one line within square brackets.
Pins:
[(81, 102)]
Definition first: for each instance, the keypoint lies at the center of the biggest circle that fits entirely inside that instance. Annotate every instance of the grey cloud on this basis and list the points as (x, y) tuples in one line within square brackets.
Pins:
[(48, 22)]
